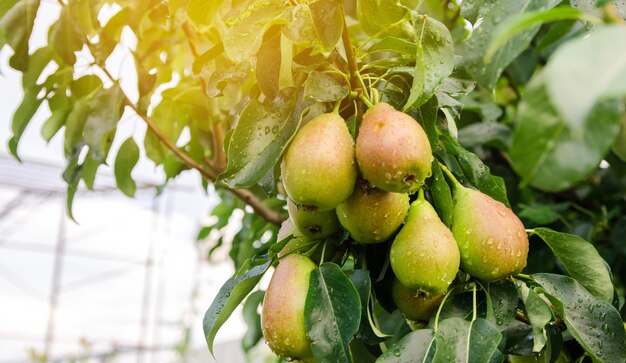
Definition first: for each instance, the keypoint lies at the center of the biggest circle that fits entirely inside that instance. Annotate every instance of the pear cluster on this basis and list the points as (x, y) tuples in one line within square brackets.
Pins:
[(364, 187)]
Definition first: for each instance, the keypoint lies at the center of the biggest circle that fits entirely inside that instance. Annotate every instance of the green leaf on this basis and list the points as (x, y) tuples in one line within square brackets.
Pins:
[(542, 214), (231, 294), (332, 313), (104, 113), (90, 168), (262, 133), (492, 14), (417, 346), (202, 11), (22, 116), (519, 22), (127, 157), (442, 194), (252, 320), (268, 65), (486, 133), (16, 27), (435, 59), (593, 322), (66, 35), (328, 20), (458, 340), (377, 15), (36, 64), (576, 129), (71, 175), (60, 106), (322, 87), (503, 299), (394, 44), (74, 126), (538, 313), (245, 24), (581, 260)]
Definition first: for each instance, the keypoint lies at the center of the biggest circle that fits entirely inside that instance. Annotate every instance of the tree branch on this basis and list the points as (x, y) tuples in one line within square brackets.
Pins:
[(249, 198)]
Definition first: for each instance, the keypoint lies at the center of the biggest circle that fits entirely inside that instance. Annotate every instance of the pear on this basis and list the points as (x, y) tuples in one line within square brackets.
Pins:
[(282, 318), (319, 168), (392, 150), (372, 215), (313, 223), (414, 305), (424, 255), (492, 240)]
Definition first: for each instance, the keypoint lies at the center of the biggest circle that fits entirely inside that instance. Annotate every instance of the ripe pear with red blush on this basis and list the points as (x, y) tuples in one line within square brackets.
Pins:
[(282, 318), (491, 238), (392, 150)]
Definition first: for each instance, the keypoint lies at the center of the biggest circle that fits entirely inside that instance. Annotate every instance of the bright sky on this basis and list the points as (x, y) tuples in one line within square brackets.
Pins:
[(103, 275)]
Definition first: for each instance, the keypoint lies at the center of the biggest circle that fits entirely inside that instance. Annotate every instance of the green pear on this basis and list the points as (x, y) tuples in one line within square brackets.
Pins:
[(282, 318), (414, 305), (372, 215), (392, 150), (319, 168), (492, 240), (424, 255), (313, 223)]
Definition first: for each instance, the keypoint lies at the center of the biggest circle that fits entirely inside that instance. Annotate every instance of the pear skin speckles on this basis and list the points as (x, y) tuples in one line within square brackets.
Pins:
[(392, 150)]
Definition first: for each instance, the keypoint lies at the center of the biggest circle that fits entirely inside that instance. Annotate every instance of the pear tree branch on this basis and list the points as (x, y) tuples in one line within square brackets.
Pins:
[(262, 209)]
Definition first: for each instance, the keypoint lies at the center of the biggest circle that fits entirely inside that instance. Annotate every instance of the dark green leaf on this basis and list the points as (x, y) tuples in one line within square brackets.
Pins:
[(488, 134), (595, 324), (127, 157), (72, 175), (493, 14), (253, 320), (503, 297), (104, 113), (328, 20), (539, 315), (517, 23), (262, 133), (581, 260), (417, 346), (542, 214), (559, 139), (321, 87), (231, 294), (442, 195), (435, 59), (458, 340), (332, 313)]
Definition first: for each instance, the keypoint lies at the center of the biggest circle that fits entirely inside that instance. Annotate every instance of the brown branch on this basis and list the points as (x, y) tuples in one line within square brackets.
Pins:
[(249, 198), (353, 67)]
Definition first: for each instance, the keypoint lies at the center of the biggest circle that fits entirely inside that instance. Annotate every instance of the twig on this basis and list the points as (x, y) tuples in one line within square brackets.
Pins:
[(249, 198)]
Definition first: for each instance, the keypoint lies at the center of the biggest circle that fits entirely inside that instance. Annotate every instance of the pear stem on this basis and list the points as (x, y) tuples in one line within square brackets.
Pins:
[(524, 276), (530, 230), (474, 303), (323, 253), (450, 176), (420, 195), (336, 107), (366, 101), (440, 307)]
